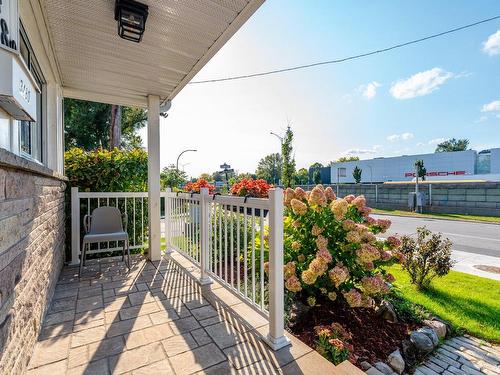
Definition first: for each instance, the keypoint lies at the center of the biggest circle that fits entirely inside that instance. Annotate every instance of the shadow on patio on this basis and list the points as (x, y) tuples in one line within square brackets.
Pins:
[(157, 319)]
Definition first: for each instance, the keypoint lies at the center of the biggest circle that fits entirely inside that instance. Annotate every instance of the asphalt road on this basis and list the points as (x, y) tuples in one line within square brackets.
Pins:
[(470, 237)]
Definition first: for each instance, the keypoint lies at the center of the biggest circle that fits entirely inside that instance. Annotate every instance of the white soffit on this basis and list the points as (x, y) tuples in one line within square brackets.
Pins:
[(180, 38)]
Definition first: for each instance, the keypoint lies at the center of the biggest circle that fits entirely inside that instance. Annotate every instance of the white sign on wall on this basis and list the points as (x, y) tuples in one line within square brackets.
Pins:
[(17, 90), (9, 25)]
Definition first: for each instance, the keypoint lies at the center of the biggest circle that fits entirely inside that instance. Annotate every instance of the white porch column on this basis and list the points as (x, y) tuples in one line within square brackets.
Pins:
[(154, 177)]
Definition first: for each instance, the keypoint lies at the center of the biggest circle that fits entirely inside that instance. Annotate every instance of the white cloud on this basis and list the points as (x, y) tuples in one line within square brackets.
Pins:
[(481, 119), (369, 90), (403, 136), (420, 84), (393, 138), (436, 141), (492, 44), (406, 136), (361, 151), (490, 107)]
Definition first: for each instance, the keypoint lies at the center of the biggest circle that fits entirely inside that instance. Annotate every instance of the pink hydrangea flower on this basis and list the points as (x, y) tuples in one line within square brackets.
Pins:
[(367, 253), (338, 275), (298, 207), (359, 202), (318, 267), (301, 258), (316, 230), (373, 285), (300, 193), (353, 237), (308, 277), (339, 208), (293, 284), (317, 197), (384, 224), (349, 225), (289, 270), (296, 245), (389, 277), (349, 198), (324, 255), (353, 298), (321, 242), (393, 242), (289, 195), (330, 195)]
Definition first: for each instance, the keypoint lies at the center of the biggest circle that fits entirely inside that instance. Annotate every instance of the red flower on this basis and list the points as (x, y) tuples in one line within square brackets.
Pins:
[(195, 187), (254, 188)]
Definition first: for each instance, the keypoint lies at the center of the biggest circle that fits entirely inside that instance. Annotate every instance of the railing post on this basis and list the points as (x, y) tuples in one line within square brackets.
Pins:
[(276, 338), (204, 236), (430, 194), (75, 227), (168, 217)]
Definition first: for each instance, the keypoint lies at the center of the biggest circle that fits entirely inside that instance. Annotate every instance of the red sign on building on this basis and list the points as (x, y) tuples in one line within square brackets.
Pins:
[(440, 174)]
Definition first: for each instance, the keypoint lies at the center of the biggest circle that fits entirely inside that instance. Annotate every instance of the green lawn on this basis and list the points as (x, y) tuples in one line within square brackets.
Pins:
[(488, 219), (468, 302)]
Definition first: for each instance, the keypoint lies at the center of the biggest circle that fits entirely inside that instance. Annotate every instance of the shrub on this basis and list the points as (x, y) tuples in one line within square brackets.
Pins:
[(332, 342), (426, 257), (195, 187), (102, 170), (331, 250), (249, 187)]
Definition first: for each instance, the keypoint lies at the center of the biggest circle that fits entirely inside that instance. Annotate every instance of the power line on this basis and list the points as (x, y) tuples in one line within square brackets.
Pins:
[(306, 66)]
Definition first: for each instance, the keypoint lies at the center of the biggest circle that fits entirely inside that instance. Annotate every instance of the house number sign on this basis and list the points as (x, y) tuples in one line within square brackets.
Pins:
[(9, 25)]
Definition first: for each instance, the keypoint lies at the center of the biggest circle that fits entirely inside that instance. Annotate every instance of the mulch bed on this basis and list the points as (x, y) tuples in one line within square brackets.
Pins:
[(373, 338)]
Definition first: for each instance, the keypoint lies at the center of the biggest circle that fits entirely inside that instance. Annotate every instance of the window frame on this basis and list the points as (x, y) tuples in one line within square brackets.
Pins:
[(35, 133)]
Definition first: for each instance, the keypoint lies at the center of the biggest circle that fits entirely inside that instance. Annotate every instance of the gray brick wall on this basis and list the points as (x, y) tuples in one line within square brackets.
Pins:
[(31, 254)]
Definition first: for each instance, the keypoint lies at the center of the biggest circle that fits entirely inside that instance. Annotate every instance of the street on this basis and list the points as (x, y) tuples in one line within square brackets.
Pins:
[(473, 243)]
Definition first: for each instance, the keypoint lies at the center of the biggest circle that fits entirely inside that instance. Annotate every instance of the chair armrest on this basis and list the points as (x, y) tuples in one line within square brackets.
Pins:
[(86, 223), (125, 221)]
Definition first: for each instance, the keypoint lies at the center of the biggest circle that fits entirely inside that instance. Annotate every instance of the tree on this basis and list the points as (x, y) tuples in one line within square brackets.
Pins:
[(269, 168), (344, 159), (453, 145), (288, 162), (115, 127), (316, 176), (172, 177), (301, 177), (206, 176), (87, 125), (356, 173)]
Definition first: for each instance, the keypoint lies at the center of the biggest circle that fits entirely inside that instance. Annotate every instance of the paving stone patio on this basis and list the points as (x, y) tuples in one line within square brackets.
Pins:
[(156, 319), (463, 356)]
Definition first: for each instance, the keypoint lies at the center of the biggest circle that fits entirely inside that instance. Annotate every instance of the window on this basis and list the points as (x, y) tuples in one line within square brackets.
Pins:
[(30, 133)]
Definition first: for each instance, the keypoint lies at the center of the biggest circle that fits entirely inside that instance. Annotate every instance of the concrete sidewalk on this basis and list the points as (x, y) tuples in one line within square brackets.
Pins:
[(467, 261)]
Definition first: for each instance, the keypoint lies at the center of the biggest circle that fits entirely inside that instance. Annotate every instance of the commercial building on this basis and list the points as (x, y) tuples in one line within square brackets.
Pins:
[(467, 165)]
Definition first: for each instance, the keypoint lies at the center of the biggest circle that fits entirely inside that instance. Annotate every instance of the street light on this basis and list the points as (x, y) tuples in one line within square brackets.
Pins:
[(178, 157), (278, 136)]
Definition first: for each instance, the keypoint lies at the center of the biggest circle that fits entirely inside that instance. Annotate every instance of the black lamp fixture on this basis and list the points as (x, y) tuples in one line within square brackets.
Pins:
[(131, 16)]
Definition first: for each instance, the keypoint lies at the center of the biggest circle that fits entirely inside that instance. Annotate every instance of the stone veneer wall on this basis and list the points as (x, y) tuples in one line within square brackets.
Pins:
[(31, 254)]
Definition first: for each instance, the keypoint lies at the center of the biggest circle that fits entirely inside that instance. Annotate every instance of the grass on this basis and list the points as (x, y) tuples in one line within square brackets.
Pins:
[(470, 303), (487, 219)]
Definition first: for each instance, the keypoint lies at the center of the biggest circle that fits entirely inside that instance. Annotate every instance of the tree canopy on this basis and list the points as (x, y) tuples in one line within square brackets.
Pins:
[(453, 145), (288, 161), (356, 174), (269, 168), (344, 159), (302, 177), (172, 177), (86, 125)]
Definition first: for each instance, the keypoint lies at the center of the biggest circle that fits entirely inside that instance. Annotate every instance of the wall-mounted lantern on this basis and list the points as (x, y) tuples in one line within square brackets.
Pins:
[(131, 16)]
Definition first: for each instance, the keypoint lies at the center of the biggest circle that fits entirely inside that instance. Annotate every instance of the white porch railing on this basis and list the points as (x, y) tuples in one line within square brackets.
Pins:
[(230, 238)]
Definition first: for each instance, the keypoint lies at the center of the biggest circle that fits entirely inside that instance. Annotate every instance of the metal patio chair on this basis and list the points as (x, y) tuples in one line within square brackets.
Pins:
[(105, 224)]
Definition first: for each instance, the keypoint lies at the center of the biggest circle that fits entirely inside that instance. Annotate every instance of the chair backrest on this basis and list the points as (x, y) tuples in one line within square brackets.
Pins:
[(106, 219)]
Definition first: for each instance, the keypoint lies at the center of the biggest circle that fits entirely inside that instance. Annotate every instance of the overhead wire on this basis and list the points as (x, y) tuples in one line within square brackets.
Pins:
[(344, 59)]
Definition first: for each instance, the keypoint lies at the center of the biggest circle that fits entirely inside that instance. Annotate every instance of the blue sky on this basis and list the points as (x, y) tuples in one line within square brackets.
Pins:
[(400, 102)]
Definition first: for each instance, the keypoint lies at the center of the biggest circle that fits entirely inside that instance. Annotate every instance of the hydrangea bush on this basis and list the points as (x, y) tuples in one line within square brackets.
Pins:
[(331, 248)]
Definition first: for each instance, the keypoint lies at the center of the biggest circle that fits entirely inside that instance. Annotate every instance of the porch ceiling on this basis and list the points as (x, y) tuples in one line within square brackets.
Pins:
[(94, 63)]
